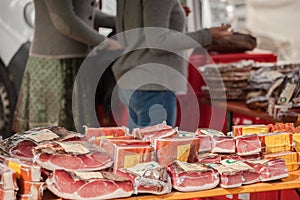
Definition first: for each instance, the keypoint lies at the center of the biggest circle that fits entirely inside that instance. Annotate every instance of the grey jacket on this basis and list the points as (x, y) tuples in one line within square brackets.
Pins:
[(65, 28), (143, 66)]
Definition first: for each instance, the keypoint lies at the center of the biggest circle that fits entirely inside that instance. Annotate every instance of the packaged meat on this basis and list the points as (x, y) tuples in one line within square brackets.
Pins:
[(207, 158), (276, 142), (207, 131), (188, 177), (31, 190), (169, 149), (248, 145), (239, 130), (108, 132), (229, 178), (88, 185), (148, 177), (150, 137), (80, 156), (237, 42), (7, 194), (296, 138), (223, 144), (291, 159), (150, 130), (7, 178), (26, 171), (108, 143), (20, 145), (270, 170), (250, 175), (126, 156), (282, 127)]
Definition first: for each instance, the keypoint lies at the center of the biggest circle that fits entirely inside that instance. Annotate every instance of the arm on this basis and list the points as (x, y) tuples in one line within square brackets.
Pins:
[(65, 20), (104, 20), (157, 13)]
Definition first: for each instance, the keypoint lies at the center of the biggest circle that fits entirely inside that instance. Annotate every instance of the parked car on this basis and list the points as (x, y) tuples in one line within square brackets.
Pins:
[(16, 31)]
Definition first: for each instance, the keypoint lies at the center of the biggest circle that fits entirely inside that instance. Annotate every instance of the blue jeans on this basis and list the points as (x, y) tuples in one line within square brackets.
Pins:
[(149, 107)]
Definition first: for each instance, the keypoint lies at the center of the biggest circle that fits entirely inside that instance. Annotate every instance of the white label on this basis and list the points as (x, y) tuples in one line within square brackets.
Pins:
[(89, 175), (237, 165), (75, 148), (191, 166), (141, 168), (43, 135)]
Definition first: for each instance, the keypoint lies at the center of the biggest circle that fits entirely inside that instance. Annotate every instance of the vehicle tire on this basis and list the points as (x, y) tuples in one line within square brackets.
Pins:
[(8, 99)]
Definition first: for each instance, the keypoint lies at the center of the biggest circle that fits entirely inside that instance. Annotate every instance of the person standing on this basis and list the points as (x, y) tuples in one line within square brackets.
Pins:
[(146, 85), (63, 36)]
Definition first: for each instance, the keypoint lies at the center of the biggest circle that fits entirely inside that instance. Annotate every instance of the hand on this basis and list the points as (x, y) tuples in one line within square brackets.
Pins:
[(113, 45), (220, 32), (186, 9)]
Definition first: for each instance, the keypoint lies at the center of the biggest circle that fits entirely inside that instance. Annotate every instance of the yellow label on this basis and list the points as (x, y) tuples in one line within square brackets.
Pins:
[(298, 119), (277, 143), (253, 130), (15, 166), (183, 152), (109, 136), (296, 138), (131, 160)]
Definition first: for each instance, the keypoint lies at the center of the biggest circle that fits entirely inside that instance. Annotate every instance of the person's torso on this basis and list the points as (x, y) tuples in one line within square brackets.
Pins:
[(50, 42)]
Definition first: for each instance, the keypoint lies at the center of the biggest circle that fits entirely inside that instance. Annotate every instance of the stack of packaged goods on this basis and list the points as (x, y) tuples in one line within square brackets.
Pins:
[(275, 89), (226, 81), (113, 162)]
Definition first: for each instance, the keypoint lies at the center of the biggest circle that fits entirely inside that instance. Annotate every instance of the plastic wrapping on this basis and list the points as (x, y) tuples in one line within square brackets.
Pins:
[(270, 170), (250, 175), (88, 185), (148, 177), (276, 142), (108, 132), (81, 156), (20, 145), (26, 171), (7, 178), (188, 177), (169, 149), (126, 156), (248, 145), (223, 144), (140, 133), (7, 194), (229, 178), (32, 190), (291, 159)]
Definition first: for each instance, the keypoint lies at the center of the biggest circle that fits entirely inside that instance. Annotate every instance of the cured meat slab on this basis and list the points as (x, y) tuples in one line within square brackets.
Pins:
[(108, 132), (126, 156), (20, 145), (140, 133), (88, 185), (250, 175), (80, 156), (229, 178), (188, 177), (148, 177), (223, 144), (291, 159), (248, 145), (276, 142), (270, 170), (169, 149)]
